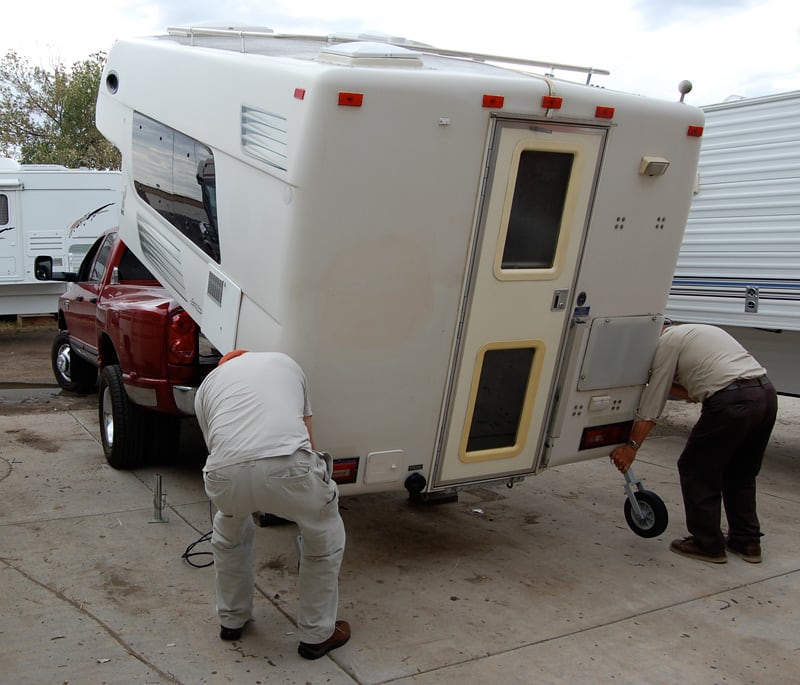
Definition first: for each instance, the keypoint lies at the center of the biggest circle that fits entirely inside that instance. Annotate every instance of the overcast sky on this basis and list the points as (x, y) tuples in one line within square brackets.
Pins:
[(725, 47)]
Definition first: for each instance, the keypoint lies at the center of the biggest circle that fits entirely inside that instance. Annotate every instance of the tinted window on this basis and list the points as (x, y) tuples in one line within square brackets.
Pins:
[(3, 210), (534, 223), (101, 261), (500, 399), (175, 175)]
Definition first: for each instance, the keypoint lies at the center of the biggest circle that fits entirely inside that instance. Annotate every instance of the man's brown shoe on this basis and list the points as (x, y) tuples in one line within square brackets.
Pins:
[(687, 547), (749, 551), (341, 634)]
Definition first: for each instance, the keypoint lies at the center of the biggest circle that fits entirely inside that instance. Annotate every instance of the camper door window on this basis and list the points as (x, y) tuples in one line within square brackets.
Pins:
[(3, 210), (534, 223), (175, 175)]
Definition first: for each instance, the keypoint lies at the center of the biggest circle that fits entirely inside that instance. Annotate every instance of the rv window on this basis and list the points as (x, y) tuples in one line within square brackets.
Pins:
[(3, 210), (500, 399), (534, 222), (175, 175)]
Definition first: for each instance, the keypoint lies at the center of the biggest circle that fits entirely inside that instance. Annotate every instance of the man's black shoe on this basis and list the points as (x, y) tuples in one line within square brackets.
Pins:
[(229, 633), (341, 634)]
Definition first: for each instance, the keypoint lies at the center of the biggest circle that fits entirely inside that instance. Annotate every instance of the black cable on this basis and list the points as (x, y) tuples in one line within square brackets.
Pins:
[(188, 553)]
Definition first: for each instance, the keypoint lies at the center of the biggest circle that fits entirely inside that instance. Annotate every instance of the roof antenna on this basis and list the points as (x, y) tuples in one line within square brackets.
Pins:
[(684, 87)]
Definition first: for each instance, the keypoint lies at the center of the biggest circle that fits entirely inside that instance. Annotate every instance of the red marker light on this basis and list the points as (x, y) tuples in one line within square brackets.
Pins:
[(604, 112), (351, 99), (300, 93), (695, 131), (552, 102), (495, 101)]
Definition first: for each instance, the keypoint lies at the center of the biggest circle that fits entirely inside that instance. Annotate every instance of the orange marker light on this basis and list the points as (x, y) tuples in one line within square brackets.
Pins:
[(495, 101), (552, 102), (604, 112), (695, 131), (351, 99)]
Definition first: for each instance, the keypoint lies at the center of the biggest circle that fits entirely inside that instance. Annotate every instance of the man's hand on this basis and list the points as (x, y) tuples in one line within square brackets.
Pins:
[(623, 457)]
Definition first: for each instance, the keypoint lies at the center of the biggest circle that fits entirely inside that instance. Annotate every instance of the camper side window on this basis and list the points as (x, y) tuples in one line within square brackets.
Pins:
[(175, 175), (534, 223), (3, 210)]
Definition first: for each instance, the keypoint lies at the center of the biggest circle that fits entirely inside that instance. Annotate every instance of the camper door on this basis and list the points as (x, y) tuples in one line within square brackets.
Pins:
[(517, 299), (10, 238)]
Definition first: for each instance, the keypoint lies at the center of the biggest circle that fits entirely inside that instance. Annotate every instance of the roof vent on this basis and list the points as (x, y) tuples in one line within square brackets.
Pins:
[(366, 53)]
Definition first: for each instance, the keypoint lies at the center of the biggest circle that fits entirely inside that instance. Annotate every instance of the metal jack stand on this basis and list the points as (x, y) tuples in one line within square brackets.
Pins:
[(159, 499)]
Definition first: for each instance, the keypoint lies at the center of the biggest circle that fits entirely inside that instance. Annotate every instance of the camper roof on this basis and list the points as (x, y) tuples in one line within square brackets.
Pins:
[(400, 51)]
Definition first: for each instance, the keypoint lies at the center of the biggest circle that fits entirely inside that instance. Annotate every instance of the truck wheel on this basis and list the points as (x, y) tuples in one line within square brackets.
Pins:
[(654, 511), (123, 425), (72, 373)]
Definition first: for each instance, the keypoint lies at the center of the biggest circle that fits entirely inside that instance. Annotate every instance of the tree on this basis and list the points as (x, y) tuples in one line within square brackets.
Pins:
[(47, 117)]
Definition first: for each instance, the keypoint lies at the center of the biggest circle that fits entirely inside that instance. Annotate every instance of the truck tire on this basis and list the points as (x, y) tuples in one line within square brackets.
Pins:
[(123, 425), (72, 373)]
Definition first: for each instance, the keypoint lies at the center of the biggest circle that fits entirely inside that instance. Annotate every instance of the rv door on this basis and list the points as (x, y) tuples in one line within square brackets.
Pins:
[(11, 266), (517, 297)]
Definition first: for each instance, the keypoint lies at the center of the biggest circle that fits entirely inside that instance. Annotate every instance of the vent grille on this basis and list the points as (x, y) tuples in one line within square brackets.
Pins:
[(164, 256), (215, 287), (45, 243), (264, 136)]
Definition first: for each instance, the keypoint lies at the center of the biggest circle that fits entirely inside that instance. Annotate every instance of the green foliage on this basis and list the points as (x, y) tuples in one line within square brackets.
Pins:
[(47, 117)]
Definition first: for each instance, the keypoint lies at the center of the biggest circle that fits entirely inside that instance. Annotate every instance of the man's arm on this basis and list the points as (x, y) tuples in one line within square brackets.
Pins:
[(623, 456)]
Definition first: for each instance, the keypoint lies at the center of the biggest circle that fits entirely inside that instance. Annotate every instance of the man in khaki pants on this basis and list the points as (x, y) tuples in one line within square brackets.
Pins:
[(255, 415)]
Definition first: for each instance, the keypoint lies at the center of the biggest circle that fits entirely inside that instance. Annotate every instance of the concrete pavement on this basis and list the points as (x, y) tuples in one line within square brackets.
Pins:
[(542, 583)]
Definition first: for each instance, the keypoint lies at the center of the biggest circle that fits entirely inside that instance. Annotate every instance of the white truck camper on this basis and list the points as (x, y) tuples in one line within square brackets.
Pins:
[(739, 265), (471, 262), (48, 209)]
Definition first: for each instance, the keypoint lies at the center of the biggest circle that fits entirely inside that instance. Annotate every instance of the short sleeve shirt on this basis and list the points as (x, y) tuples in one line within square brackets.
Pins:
[(253, 407), (700, 358)]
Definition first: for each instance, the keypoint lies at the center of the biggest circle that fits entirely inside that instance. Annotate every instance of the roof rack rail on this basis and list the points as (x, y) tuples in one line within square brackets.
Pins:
[(243, 32)]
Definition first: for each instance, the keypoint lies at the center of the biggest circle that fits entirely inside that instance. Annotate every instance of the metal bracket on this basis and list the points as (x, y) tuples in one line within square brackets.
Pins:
[(159, 499)]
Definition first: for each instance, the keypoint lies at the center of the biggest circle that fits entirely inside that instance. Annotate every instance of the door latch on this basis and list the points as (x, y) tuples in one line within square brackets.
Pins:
[(559, 300)]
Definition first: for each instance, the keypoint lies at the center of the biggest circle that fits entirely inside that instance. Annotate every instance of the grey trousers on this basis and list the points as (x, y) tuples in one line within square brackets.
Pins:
[(298, 488)]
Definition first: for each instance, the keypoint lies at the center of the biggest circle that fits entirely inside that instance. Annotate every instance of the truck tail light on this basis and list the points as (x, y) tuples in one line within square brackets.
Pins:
[(182, 339)]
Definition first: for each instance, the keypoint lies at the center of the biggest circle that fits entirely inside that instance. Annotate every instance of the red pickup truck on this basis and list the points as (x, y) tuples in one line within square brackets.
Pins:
[(121, 331)]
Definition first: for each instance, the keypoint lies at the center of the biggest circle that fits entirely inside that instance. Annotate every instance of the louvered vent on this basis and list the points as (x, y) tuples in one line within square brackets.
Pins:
[(45, 242), (164, 256), (264, 136), (215, 287)]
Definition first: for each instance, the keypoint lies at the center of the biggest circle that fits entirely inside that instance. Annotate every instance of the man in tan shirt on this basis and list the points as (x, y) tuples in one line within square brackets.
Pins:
[(723, 454)]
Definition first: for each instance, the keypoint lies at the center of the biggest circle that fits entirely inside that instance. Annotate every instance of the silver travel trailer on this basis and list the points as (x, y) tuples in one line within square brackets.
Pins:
[(739, 264), (48, 209), (470, 261)]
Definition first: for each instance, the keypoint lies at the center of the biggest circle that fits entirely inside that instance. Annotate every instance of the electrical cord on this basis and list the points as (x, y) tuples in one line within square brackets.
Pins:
[(189, 552)]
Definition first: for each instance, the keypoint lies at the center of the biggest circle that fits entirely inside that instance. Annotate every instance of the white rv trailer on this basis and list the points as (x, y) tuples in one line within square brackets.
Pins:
[(470, 262), (739, 265), (48, 209)]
